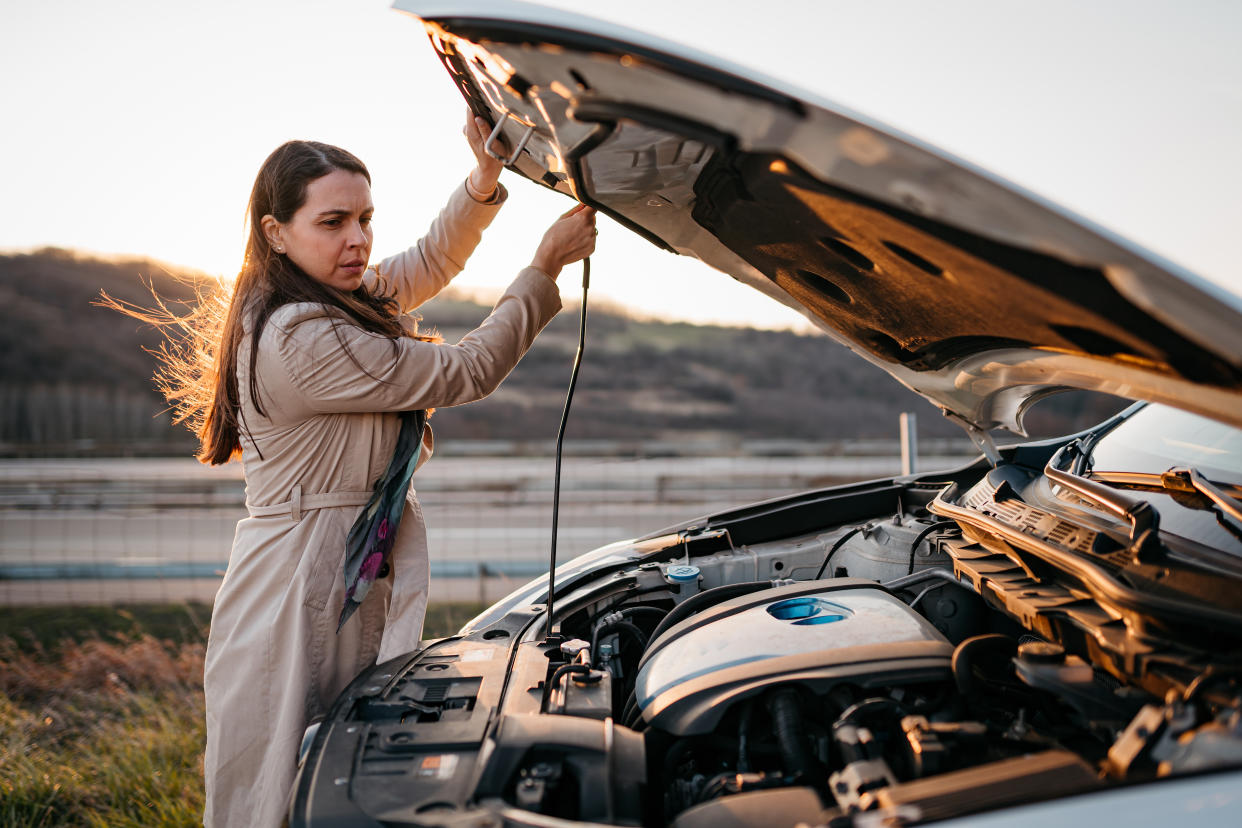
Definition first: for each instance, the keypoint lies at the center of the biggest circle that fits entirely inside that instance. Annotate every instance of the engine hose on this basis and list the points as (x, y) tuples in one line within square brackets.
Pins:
[(638, 610), (965, 654), (845, 728), (927, 530), (840, 542), (787, 725), (631, 702), (618, 626), (869, 707), (907, 581), (632, 715), (706, 598), (563, 670), (743, 737)]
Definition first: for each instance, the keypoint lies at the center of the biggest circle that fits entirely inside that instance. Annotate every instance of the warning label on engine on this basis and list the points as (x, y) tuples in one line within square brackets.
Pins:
[(439, 766)]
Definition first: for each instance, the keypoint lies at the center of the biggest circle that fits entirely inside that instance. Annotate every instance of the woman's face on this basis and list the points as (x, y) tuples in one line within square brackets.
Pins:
[(329, 237)]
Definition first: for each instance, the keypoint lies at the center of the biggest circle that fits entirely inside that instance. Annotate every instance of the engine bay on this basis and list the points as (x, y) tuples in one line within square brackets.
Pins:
[(897, 662)]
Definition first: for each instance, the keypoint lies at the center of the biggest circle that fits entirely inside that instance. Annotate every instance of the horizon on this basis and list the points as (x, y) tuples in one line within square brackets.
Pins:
[(483, 295)]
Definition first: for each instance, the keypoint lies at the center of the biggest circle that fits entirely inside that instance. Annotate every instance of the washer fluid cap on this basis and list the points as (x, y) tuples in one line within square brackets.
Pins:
[(683, 573)]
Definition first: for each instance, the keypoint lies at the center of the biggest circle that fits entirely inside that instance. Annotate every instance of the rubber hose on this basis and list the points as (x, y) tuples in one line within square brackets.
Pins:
[(637, 610), (743, 736), (618, 626), (631, 703), (563, 670), (927, 530), (966, 652), (840, 542), (787, 724), (869, 707)]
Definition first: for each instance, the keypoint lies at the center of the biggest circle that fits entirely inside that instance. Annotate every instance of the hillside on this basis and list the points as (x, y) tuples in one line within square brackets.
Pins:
[(75, 378), (73, 374), (669, 379)]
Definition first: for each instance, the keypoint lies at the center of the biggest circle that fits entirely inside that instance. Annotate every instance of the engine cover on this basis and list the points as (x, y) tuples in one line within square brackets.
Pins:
[(815, 634)]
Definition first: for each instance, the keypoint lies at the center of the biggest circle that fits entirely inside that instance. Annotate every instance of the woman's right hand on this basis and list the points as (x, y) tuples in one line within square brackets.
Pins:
[(570, 239)]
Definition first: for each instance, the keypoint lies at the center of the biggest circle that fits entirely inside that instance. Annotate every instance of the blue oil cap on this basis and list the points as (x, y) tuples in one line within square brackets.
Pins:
[(682, 573), (808, 611)]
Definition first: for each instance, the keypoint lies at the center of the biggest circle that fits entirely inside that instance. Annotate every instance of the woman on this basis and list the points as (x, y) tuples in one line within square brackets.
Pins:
[(311, 364)]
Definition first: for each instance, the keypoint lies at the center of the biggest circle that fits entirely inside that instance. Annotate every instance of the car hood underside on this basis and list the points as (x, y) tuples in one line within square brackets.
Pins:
[(971, 292)]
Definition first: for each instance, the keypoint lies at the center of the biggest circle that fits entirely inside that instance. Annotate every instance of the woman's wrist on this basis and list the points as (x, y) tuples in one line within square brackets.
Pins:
[(482, 186), (543, 264)]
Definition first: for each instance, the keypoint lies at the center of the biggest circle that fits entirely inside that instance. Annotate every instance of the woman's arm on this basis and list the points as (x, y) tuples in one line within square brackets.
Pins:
[(317, 353), (419, 273), (318, 362)]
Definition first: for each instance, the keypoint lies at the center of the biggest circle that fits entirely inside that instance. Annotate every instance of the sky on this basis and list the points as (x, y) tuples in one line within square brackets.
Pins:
[(136, 127)]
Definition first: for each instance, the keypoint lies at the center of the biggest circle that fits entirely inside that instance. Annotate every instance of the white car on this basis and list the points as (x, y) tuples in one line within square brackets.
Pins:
[(1049, 635)]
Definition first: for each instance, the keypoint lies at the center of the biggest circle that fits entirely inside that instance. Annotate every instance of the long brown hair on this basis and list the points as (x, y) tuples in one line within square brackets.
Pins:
[(198, 374)]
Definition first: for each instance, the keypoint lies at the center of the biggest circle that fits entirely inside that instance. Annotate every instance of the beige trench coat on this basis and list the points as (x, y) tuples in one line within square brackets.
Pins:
[(274, 660)]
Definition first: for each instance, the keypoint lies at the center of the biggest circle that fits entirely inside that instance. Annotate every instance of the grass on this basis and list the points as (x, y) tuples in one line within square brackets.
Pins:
[(48, 629), (101, 713)]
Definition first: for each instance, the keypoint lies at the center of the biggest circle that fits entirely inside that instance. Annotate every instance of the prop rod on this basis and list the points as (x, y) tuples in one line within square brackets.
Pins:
[(553, 635)]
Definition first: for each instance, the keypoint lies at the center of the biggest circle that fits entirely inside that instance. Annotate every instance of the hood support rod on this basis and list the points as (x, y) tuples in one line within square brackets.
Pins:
[(552, 634)]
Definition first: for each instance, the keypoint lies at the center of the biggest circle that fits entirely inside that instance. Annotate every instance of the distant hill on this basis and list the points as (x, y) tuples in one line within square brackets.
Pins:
[(673, 379), (75, 377)]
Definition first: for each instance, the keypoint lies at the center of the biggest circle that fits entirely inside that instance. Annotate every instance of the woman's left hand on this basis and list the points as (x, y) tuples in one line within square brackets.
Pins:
[(487, 169)]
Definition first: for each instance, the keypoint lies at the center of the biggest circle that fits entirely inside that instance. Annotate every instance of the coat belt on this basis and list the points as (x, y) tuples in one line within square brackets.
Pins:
[(299, 503)]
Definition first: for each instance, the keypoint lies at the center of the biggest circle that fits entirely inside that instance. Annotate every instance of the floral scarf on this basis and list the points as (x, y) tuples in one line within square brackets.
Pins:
[(369, 543)]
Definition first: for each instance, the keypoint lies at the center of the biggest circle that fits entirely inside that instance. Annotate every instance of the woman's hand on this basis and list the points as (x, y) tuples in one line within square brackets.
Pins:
[(569, 239), (486, 173)]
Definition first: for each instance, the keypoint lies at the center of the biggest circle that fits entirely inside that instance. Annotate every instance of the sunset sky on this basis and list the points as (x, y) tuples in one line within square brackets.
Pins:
[(137, 127)]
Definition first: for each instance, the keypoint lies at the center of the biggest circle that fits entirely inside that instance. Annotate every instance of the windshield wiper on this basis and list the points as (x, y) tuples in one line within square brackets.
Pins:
[(1143, 518), (1224, 496)]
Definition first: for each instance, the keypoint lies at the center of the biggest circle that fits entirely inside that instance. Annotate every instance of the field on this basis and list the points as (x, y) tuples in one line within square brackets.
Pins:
[(101, 713)]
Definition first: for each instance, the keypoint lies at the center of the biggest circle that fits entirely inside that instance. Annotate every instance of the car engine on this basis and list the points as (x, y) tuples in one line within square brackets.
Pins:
[(893, 662)]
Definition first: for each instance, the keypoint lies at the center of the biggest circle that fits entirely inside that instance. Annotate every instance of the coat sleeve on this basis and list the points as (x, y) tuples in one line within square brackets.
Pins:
[(419, 273), (318, 353)]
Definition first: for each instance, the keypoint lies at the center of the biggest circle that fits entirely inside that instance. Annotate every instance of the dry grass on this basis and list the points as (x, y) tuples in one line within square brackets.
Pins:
[(102, 734), (97, 732)]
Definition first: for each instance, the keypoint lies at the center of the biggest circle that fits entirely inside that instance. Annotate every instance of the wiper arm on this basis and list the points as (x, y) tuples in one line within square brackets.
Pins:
[(1186, 479), (1143, 518), (1190, 476)]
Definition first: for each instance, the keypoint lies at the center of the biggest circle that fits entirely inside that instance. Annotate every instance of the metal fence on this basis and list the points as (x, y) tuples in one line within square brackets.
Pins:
[(75, 531)]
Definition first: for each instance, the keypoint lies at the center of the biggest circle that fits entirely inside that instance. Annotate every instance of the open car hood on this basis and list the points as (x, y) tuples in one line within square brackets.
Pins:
[(974, 293)]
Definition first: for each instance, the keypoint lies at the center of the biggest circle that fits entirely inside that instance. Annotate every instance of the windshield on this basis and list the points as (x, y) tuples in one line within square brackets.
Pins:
[(1157, 438)]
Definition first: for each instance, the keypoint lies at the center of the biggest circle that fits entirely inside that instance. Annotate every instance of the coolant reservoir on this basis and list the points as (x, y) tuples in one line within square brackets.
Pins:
[(1046, 665), (683, 576)]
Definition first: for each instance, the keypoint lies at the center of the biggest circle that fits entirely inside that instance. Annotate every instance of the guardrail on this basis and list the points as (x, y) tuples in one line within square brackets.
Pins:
[(96, 530)]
